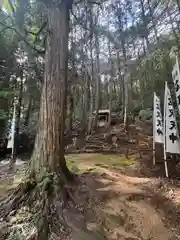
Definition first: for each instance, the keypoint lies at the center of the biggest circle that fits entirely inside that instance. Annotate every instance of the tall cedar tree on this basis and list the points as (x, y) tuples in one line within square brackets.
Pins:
[(48, 153)]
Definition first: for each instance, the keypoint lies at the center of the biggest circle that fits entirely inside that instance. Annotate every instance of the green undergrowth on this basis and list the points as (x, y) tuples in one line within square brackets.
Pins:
[(74, 162), (72, 165), (77, 163)]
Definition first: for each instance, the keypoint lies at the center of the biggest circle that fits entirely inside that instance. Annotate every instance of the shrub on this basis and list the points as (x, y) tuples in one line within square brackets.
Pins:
[(145, 114)]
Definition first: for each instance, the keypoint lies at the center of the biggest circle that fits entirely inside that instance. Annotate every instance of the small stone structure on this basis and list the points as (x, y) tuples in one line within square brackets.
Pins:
[(104, 117)]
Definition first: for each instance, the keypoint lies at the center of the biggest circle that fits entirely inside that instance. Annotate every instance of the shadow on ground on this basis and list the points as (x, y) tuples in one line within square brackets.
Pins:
[(124, 207)]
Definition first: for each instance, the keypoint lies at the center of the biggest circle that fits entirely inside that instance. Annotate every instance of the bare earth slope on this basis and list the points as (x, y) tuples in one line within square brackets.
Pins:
[(115, 205)]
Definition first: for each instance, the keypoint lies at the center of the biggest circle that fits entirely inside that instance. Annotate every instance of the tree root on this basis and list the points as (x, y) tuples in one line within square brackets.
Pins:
[(70, 195), (19, 195), (46, 200)]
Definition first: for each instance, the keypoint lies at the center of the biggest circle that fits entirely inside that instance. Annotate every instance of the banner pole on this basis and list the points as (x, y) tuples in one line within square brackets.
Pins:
[(12, 159), (165, 157), (154, 150)]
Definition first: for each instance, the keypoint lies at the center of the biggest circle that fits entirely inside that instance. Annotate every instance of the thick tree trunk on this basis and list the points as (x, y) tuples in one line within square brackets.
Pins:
[(48, 154), (70, 107)]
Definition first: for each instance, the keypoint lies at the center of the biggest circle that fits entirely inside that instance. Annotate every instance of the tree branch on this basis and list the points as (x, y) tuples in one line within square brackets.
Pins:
[(37, 33), (11, 6), (42, 28), (98, 29), (23, 38)]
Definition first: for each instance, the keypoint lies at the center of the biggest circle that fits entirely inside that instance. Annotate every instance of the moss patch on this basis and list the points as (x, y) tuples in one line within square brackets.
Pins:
[(110, 161)]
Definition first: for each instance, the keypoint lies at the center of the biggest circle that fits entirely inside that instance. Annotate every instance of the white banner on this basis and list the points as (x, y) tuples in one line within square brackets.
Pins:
[(172, 143), (157, 121), (12, 131), (176, 80)]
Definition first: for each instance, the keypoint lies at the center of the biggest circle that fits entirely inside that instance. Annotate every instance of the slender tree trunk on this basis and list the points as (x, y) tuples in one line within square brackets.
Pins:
[(173, 29), (126, 101), (178, 4), (86, 105), (5, 105), (48, 153), (130, 89), (26, 121), (85, 101), (18, 117), (144, 47), (144, 19), (17, 123), (125, 79), (121, 83), (98, 83), (153, 21), (84, 92), (110, 83), (126, 89), (91, 107), (112, 76), (3, 122)]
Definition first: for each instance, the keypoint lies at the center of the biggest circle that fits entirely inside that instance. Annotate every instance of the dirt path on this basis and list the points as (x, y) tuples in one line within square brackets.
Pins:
[(131, 207), (122, 207), (127, 209)]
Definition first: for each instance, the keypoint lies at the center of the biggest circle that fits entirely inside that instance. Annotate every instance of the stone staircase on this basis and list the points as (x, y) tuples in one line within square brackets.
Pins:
[(115, 140), (108, 142), (96, 143)]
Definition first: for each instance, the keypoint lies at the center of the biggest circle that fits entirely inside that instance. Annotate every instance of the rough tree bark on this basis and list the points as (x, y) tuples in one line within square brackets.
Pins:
[(48, 153), (70, 108)]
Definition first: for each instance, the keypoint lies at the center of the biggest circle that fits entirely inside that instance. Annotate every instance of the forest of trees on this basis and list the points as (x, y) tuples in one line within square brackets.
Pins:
[(62, 60), (119, 53)]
